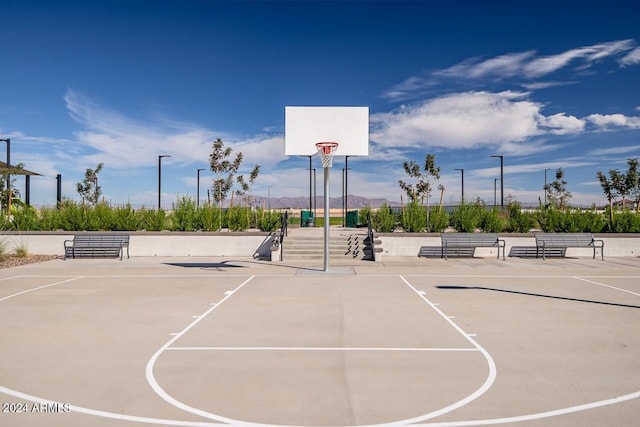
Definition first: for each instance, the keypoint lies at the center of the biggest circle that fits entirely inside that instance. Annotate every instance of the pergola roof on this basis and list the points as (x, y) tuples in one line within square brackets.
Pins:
[(3, 168)]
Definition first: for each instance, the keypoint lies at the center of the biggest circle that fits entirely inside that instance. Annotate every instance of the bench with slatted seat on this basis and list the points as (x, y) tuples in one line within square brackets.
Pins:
[(545, 241), (96, 245), (456, 241)]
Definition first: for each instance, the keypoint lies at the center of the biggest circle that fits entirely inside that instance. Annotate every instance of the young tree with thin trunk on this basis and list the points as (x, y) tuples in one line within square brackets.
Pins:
[(557, 193), (89, 188)]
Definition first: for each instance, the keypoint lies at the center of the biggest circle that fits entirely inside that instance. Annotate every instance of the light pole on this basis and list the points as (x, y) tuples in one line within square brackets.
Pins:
[(198, 188), (495, 180), (501, 180), (462, 176), (315, 197), (160, 177), (8, 141), (545, 186), (345, 189)]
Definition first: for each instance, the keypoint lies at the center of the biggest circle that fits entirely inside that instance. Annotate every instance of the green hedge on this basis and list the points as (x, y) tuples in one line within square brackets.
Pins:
[(186, 216)]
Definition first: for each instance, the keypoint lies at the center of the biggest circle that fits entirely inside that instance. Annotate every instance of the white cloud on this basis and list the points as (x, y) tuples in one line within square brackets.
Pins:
[(614, 150), (561, 124), (631, 58), (549, 64), (605, 121), (518, 65), (122, 142), (507, 65), (469, 120), (530, 168), (546, 85)]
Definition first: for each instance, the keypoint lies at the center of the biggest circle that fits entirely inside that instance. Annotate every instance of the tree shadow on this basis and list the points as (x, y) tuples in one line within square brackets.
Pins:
[(484, 288)]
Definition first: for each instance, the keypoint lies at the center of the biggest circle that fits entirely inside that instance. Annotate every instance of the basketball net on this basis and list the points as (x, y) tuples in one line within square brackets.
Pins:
[(326, 150)]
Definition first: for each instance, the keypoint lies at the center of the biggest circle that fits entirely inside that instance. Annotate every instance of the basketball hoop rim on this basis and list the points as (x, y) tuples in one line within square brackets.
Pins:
[(327, 147)]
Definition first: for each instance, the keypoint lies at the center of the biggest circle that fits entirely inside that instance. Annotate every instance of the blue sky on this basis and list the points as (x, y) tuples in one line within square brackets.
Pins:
[(545, 84)]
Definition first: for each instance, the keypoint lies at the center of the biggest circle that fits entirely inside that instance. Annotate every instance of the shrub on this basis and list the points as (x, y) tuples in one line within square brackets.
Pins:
[(383, 220), (185, 216), (413, 218), (151, 220), (492, 221), (625, 221), (438, 220), (238, 218), (99, 217), (268, 220), (50, 219), (21, 251), (518, 221), (3, 250), (466, 217), (363, 216), (210, 218), (25, 218), (585, 221), (73, 216), (124, 219)]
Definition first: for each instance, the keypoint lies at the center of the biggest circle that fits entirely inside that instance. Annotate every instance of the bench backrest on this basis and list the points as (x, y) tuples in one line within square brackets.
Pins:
[(469, 239), (100, 240), (564, 239)]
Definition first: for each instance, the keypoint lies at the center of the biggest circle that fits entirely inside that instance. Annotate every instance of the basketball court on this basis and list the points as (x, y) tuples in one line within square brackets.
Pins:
[(205, 341), (210, 341)]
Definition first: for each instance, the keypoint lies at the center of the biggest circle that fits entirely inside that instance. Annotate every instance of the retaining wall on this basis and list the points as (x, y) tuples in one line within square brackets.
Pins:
[(259, 244)]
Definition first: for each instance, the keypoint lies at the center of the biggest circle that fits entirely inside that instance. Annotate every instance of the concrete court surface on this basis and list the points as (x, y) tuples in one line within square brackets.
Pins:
[(205, 341)]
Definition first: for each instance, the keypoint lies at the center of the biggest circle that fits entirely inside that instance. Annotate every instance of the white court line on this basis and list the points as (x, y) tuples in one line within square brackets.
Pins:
[(166, 396), (319, 349), (105, 414), (41, 287), (539, 415), (606, 286), (476, 394)]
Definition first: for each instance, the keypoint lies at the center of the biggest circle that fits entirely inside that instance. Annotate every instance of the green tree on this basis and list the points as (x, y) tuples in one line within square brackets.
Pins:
[(632, 182), (609, 191), (557, 193), (7, 196), (89, 189), (224, 169), (245, 187), (425, 180)]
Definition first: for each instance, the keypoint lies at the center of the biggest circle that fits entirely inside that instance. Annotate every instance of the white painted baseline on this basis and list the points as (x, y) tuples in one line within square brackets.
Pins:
[(320, 349)]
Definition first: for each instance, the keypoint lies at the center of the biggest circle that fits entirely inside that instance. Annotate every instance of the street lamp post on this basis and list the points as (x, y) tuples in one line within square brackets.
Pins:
[(545, 186), (462, 176), (198, 188), (315, 196), (8, 141), (160, 177), (501, 180), (495, 180)]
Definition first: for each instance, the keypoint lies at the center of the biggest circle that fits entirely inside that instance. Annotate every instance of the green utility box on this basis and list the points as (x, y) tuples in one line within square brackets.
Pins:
[(352, 219), (307, 219)]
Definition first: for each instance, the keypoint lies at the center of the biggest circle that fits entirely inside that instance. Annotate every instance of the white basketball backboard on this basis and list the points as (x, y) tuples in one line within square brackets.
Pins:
[(305, 126)]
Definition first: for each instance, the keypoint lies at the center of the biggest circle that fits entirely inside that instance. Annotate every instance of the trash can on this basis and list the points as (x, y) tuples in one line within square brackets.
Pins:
[(307, 219), (352, 219)]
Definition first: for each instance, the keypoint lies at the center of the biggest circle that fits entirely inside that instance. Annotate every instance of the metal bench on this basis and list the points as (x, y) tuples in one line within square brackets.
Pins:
[(96, 245), (452, 242), (567, 240)]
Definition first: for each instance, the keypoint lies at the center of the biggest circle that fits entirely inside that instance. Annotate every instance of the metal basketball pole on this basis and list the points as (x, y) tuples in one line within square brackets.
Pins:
[(326, 219)]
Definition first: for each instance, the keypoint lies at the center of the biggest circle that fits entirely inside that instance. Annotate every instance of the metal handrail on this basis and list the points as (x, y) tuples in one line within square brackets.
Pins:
[(370, 236)]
